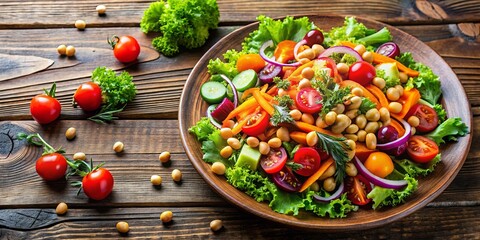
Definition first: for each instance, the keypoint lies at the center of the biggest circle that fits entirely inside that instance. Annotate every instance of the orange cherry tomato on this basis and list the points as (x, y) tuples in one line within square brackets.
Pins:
[(250, 61), (284, 51), (380, 164)]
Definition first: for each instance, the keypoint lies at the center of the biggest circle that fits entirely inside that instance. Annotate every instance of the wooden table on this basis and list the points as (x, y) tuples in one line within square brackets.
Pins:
[(149, 125)]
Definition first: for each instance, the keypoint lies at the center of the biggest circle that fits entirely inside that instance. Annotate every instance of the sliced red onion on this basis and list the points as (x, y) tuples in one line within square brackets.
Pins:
[(267, 44), (400, 141), (341, 49), (267, 74), (212, 120), (378, 181), (389, 49), (234, 89), (222, 110), (297, 46), (334, 196)]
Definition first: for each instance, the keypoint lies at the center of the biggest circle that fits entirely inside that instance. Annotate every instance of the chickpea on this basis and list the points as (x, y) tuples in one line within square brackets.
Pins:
[(367, 57), (356, 102), (379, 82), (218, 168), (118, 147), (361, 121), (413, 121), (283, 134), (328, 173), (166, 216), (342, 68), (62, 49), (308, 73), (372, 115), (281, 92), (384, 114), (304, 83), (61, 209), (340, 108), (400, 89), (308, 118), (395, 107), (101, 9), (318, 49), (216, 225), (122, 227), (393, 94), (315, 187), (338, 128), (343, 120), (79, 156), (307, 53), (312, 138), (330, 118), (226, 133), (352, 113), (71, 133), (351, 136), (80, 24), (371, 127), (253, 142), (371, 141), (226, 152), (229, 123), (361, 135), (234, 143), (156, 180), (329, 184), (357, 91), (164, 157), (320, 122), (264, 148), (352, 145), (176, 175), (414, 130), (275, 142), (351, 170), (295, 114), (70, 51), (360, 48), (353, 128), (403, 77)]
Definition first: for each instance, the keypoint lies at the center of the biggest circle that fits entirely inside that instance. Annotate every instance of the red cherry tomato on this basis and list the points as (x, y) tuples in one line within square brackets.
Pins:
[(308, 100), (427, 115), (357, 190), (421, 149), (257, 123), (362, 72), (88, 96), (310, 160), (51, 166), (274, 161), (98, 184), (126, 48), (45, 109)]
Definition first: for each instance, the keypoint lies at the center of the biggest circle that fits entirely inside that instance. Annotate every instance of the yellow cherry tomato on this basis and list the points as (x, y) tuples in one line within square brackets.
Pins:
[(380, 164)]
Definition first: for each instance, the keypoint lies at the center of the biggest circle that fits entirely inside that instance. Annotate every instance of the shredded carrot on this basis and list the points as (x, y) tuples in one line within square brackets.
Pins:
[(263, 102), (272, 90), (366, 93), (248, 104), (394, 123), (378, 94), (408, 99), (299, 137), (306, 127), (238, 128), (325, 165)]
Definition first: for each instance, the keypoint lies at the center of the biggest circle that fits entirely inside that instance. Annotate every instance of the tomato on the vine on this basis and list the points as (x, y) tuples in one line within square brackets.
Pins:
[(274, 161), (256, 124), (308, 100), (357, 190), (421, 149), (45, 108), (126, 48), (51, 166), (362, 72), (88, 96), (98, 184), (309, 158), (428, 117)]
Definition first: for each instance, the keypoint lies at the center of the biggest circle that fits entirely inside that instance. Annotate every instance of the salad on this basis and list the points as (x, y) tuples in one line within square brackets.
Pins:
[(323, 121)]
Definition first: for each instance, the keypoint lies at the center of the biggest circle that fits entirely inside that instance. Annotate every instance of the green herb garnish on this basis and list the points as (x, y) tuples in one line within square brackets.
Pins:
[(337, 148)]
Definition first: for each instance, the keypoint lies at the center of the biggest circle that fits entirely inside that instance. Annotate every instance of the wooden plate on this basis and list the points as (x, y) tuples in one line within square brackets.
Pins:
[(192, 108)]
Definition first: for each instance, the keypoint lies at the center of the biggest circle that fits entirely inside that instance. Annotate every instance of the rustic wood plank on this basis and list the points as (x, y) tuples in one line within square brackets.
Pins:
[(62, 14), (193, 223), (14, 66), (144, 140)]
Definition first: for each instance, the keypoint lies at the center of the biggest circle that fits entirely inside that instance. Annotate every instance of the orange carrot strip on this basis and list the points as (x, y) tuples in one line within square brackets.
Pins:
[(306, 127), (366, 93), (317, 174), (248, 104), (408, 99), (378, 94), (263, 89), (238, 128), (362, 152), (247, 112), (272, 90), (263, 102), (299, 137), (394, 123)]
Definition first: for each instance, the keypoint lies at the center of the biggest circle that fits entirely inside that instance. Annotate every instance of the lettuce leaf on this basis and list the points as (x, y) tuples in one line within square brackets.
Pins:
[(390, 197), (337, 208), (449, 130), (227, 67), (252, 183), (415, 169), (286, 203), (202, 129)]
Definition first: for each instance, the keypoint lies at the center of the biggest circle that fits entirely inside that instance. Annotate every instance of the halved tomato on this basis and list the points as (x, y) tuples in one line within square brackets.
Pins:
[(274, 161), (310, 160), (427, 115), (421, 149), (286, 180), (256, 124), (308, 100), (357, 190)]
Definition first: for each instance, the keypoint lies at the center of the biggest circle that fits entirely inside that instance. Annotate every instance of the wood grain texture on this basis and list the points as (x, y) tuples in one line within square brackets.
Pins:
[(62, 14), (14, 66)]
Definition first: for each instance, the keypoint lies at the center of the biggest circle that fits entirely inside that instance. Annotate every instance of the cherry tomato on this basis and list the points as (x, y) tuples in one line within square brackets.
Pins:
[(274, 161), (314, 36), (250, 61), (98, 184), (126, 48), (323, 154), (51, 166), (421, 149), (88, 96), (257, 123), (310, 160), (284, 51), (380, 164), (286, 180), (362, 72), (357, 190), (427, 115), (308, 100), (329, 63), (45, 109)]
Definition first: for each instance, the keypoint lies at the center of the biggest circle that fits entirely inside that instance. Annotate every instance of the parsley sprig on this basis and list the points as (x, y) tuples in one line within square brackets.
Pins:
[(337, 148), (281, 115), (281, 83), (331, 92)]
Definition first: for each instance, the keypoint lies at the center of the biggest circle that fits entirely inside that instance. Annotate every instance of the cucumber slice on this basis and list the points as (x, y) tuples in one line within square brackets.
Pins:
[(213, 92), (245, 80)]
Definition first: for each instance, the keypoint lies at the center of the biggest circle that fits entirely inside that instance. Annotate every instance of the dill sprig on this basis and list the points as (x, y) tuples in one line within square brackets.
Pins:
[(337, 148), (331, 92)]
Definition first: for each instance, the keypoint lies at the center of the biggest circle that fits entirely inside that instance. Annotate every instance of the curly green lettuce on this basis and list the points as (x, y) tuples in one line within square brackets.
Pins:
[(449, 130), (337, 208), (413, 169), (390, 197)]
